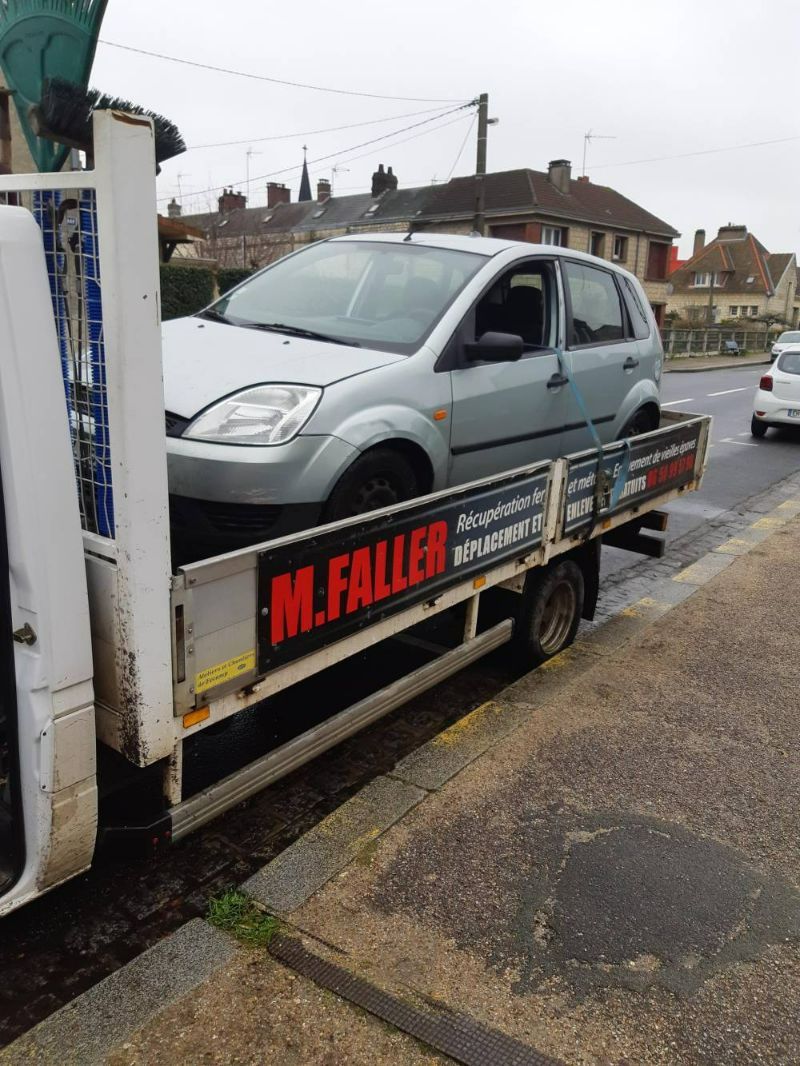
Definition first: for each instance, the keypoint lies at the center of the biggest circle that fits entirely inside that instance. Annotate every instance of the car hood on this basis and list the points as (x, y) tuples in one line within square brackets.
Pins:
[(205, 360)]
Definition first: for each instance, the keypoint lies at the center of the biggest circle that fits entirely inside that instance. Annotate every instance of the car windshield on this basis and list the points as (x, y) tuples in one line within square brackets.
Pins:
[(789, 338), (789, 362), (379, 295)]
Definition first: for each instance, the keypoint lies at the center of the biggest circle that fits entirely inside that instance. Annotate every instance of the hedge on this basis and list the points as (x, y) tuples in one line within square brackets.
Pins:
[(185, 290), (229, 277)]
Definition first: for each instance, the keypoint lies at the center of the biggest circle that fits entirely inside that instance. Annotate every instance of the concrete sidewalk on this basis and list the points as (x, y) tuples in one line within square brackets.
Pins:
[(694, 364), (599, 867)]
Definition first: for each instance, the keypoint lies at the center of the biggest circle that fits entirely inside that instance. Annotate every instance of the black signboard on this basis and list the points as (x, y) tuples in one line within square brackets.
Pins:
[(656, 465), (319, 589)]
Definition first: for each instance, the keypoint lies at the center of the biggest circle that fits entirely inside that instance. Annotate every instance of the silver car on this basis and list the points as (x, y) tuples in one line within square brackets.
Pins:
[(366, 370)]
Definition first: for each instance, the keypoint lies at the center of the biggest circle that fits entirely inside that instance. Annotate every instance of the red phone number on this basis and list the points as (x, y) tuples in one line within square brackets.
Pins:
[(660, 475)]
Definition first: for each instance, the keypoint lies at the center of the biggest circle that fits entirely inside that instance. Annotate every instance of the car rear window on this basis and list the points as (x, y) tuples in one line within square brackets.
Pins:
[(789, 363)]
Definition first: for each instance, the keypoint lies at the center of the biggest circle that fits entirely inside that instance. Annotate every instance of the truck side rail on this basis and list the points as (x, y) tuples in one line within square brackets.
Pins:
[(248, 624)]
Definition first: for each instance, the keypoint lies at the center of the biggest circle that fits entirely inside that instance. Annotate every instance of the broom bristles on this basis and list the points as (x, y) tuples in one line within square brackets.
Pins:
[(86, 13), (67, 110)]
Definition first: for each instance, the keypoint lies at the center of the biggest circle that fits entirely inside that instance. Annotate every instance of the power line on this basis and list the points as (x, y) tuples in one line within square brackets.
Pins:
[(347, 159), (687, 155), (341, 152), (311, 133), (463, 146), (277, 81)]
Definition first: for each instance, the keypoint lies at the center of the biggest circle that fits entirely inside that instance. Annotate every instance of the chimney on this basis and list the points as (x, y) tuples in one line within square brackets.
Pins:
[(323, 190), (231, 201), (173, 208), (732, 233), (584, 179), (559, 171), (699, 242), (278, 194), (383, 180)]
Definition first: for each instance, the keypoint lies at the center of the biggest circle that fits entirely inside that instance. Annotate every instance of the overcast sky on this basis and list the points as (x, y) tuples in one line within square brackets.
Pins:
[(661, 79)]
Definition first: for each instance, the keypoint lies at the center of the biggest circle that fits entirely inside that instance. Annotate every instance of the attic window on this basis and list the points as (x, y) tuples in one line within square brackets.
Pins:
[(224, 222), (266, 219), (751, 279), (319, 214), (371, 210)]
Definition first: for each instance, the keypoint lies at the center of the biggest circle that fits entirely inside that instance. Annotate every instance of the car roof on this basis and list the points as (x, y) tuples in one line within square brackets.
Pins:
[(486, 246)]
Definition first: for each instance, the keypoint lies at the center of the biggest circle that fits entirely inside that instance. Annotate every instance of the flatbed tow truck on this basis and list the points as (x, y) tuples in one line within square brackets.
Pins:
[(113, 664)]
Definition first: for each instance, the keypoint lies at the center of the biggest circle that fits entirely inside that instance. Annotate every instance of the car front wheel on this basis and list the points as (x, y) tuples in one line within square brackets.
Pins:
[(380, 478)]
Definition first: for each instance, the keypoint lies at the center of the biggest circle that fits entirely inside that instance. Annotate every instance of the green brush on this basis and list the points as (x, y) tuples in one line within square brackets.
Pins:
[(65, 113), (42, 39)]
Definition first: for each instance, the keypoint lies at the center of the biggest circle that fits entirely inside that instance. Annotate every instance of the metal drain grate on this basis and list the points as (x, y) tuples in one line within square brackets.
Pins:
[(456, 1035)]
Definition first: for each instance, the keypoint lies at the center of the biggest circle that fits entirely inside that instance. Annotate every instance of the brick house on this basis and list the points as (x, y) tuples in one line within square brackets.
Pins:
[(736, 277), (552, 207), (542, 207)]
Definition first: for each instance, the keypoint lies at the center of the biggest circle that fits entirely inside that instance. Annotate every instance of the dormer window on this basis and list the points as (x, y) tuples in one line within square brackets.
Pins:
[(319, 213), (371, 210), (266, 219), (703, 280)]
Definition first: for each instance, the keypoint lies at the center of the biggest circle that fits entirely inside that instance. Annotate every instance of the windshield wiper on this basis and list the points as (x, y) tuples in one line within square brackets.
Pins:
[(297, 331), (214, 315)]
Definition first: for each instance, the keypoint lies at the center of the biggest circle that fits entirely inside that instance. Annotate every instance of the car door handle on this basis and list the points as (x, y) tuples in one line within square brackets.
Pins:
[(556, 381), (630, 363)]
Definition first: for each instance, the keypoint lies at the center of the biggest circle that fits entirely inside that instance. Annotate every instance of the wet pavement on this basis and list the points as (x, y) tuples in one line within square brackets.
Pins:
[(62, 944)]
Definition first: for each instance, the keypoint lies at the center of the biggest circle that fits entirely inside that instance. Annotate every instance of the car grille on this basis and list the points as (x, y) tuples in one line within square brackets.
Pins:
[(251, 522)]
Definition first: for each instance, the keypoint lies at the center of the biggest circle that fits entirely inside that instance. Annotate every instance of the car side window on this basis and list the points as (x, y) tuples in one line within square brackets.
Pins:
[(636, 311), (595, 310), (522, 302)]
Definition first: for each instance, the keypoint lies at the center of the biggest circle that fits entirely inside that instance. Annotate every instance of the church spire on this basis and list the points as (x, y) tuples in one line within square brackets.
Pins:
[(305, 181)]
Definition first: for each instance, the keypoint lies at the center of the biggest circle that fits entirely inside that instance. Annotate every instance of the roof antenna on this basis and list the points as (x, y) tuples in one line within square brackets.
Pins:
[(408, 236)]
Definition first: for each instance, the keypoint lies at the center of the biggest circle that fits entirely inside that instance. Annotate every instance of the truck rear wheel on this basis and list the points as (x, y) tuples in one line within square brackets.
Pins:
[(552, 605)]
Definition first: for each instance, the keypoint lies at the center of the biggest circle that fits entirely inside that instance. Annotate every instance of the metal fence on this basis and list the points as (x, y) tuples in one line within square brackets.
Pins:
[(100, 243), (68, 221), (696, 341)]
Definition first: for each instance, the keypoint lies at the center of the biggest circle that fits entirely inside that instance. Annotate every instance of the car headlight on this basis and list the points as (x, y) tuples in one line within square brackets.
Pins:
[(264, 415)]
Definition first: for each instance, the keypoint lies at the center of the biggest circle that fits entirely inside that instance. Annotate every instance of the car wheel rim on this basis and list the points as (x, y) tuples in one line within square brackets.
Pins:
[(557, 618), (373, 494)]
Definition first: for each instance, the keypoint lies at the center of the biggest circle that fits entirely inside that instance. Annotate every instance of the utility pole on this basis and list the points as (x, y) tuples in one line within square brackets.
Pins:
[(480, 168), (711, 301)]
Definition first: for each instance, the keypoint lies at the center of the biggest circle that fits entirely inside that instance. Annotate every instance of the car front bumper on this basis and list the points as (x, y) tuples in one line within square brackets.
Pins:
[(224, 497)]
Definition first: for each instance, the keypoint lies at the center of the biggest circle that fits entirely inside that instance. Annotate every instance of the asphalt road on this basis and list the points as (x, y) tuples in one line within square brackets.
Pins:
[(58, 946), (739, 466)]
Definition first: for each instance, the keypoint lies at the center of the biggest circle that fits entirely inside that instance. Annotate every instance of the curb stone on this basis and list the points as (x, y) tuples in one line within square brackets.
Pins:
[(84, 1031)]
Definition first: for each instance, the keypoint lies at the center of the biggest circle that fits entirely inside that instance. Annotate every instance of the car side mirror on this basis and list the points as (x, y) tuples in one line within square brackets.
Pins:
[(495, 348)]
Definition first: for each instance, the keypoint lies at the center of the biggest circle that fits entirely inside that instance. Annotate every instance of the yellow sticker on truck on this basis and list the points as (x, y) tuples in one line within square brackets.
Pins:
[(223, 672)]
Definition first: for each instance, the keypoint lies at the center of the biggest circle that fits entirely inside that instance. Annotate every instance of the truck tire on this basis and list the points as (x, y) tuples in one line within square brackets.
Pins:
[(552, 605), (378, 478)]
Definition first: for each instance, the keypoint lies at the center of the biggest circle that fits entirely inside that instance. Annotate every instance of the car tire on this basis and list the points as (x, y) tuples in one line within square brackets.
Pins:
[(550, 613), (757, 427), (379, 478), (641, 421)]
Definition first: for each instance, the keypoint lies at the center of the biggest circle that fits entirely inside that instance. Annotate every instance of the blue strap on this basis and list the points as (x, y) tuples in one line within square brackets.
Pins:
[(619, 481)]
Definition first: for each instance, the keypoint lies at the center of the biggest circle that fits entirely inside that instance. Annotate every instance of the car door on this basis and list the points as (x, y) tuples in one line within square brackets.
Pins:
[(507, 414), (601, 353)]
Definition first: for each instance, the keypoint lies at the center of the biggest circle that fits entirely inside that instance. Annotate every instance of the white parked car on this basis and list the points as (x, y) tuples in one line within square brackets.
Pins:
[(784, 341), (777, 399)]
